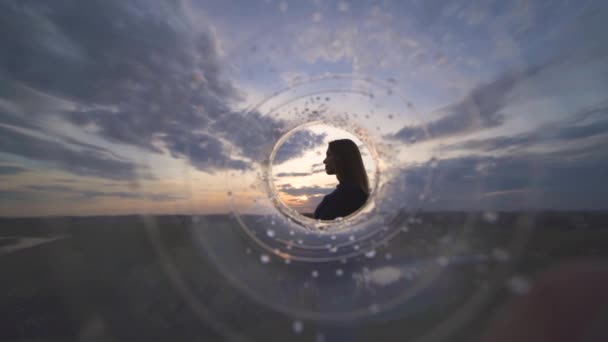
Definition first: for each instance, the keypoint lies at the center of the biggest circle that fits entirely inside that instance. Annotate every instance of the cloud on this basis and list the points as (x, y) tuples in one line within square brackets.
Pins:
[(162, 197), (52, 188), (289, 174), (316, 43), (92, 194), (138, 73), (204, 152), (291, 78), (554, 166), (588, 123), (8, 170), (564, 180), (12, 195), (84, 161), (297, 144), (307, 190), (252, 133), (479, 109)]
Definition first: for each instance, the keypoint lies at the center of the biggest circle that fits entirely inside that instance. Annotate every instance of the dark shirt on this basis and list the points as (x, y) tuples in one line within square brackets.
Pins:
[(345, 200)]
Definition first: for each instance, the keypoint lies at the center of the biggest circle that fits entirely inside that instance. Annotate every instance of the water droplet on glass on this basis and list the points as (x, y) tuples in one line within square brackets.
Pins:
[(490, 216), (388, 256), (270, 233), (297, 327), (500, 254), (351, 238), (444, 240), (264, 258), (283, 6), (519, 285), (370, 253), (339, 272), (315, 273), (443, 261), (343, 6), (481, 268)]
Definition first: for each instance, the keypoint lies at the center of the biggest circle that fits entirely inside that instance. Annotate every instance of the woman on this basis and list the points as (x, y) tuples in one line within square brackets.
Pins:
[(343, 159)]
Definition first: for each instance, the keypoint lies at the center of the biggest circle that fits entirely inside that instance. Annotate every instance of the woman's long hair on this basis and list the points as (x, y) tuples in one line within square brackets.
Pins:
[(349, 164)]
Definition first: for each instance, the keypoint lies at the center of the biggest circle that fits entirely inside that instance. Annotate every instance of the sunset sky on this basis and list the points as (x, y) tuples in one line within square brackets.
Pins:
[(121, 107)]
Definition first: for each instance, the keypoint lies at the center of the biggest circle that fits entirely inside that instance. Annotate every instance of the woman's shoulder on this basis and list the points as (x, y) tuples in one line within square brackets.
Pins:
[(350, 187)]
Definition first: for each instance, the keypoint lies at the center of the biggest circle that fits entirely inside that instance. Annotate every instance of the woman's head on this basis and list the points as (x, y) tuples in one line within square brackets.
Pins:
[(344, 160)]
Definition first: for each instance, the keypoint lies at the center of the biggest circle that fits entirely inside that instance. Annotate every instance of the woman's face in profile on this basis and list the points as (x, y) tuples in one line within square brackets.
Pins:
[(330, 165)]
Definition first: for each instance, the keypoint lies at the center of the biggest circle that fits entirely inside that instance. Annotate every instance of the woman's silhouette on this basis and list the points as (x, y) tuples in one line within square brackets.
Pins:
[(343, 159)]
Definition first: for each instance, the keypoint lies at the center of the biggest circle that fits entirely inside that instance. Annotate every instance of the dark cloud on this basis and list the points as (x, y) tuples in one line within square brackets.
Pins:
[(8, 170), (51, 188), (480, 109), (554, 166), (293, 174), (297, 144), (589, 123), (204, 152), (527, 181), (12, 195), (91, 194), (84, 162), (252, 133), (307, 190), (139, 72), (69, 180), (162, 197)]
